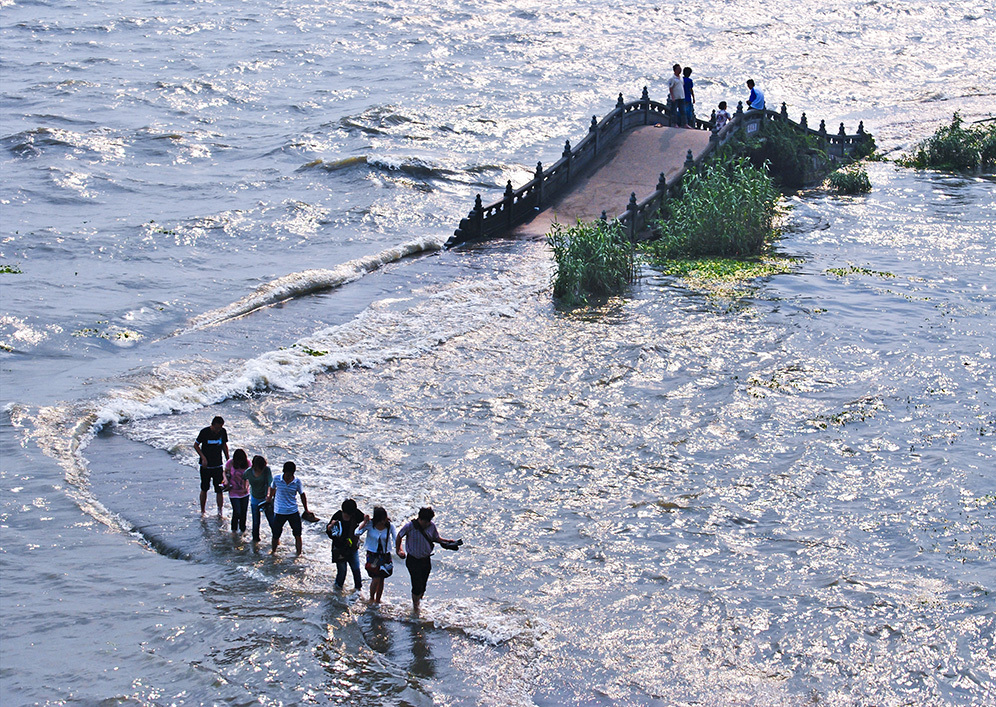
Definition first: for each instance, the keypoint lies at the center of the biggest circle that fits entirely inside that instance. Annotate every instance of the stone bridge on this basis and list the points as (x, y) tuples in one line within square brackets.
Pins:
[(625, 167)]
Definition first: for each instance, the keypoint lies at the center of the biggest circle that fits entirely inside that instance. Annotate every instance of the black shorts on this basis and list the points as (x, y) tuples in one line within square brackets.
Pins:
[(209, 474), (278, 524)]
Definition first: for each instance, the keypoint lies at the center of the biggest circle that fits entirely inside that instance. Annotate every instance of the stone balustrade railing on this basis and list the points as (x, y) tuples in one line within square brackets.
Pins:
[(519, 205)]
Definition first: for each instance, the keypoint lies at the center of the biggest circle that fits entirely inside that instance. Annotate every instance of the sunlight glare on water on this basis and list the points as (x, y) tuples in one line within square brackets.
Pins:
[(776, 493)]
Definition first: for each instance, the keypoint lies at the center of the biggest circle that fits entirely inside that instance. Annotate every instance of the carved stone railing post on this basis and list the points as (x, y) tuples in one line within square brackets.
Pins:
[(689, 161), (645, 100), (477, 216), (740, 107), (509, 202), (604, 216), (802, 122), (593, 129), (785, 112), (619, 107), (567, 157), (539, 185), (631, 209), (662, 182), (842, 132)]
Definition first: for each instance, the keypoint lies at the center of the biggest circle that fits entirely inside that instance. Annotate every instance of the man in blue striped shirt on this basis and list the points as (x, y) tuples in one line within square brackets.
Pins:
[(284, 490)]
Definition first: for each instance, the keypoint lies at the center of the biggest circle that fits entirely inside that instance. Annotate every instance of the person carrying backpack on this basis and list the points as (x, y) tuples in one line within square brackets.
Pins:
[(345, 545)]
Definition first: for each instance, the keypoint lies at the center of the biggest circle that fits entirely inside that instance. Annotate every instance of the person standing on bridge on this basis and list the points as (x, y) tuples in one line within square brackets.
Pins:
[(756, 99), (676, 88), (689, 97)]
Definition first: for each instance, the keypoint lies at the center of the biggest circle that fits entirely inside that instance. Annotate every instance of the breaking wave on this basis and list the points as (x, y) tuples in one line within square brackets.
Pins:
[(413, 166), (308, 282), (381, 333)]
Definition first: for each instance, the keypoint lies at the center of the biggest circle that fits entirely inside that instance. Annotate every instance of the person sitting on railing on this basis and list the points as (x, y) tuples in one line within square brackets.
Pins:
[(756, 99)]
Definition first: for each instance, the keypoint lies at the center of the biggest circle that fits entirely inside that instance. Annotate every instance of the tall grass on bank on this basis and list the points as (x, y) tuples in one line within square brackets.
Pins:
[(956, 148), (726, 210), (593, 260)]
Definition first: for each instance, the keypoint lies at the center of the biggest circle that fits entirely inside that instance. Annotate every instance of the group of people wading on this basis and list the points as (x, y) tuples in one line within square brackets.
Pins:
[(681, 99), (251, 485)]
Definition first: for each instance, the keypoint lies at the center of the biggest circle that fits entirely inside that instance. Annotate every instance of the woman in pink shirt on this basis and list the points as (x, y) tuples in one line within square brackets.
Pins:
[(238, 488)]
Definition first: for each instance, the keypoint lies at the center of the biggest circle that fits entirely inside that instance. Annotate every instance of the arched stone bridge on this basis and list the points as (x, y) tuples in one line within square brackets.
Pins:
[(624, 168)]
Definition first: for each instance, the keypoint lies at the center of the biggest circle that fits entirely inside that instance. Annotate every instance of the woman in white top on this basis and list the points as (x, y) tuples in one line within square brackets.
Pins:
[(380, 539)]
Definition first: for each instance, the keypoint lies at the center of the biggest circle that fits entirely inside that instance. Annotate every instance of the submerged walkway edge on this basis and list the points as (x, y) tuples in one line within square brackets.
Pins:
[(624, 151)]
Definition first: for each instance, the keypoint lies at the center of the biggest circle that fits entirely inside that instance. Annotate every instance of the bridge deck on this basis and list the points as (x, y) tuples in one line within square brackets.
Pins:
[(632, 165)]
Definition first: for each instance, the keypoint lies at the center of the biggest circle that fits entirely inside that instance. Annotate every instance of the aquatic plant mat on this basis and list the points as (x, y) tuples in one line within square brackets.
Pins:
[(727, 278)]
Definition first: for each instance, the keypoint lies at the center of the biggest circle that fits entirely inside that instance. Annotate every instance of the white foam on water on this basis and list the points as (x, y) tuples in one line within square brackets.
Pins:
[(63, 432), (485, 621), (377, 335), (310, 281), (16, 333), (382, 333)]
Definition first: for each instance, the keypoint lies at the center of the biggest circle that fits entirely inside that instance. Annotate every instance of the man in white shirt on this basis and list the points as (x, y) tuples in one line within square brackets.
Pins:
[(676, 89)]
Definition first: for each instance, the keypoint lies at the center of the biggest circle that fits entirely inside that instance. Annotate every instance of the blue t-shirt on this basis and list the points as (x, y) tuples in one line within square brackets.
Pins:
[(688, 89), (285, 499), (756, 99)]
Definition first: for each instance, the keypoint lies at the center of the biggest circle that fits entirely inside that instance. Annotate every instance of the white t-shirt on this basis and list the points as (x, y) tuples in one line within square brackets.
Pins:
[(676, 84)]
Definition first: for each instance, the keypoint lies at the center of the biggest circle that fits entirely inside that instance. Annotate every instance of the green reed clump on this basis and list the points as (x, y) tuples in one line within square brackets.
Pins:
[(727, 209), (850, 180), (593, 259), (956, 148)]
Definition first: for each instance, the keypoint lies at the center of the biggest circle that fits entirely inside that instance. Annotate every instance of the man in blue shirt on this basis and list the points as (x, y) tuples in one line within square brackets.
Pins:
[(283, 494), (756, 99)]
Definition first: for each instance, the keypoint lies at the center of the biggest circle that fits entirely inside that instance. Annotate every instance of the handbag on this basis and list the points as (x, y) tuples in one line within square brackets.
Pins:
[(382, 564)]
